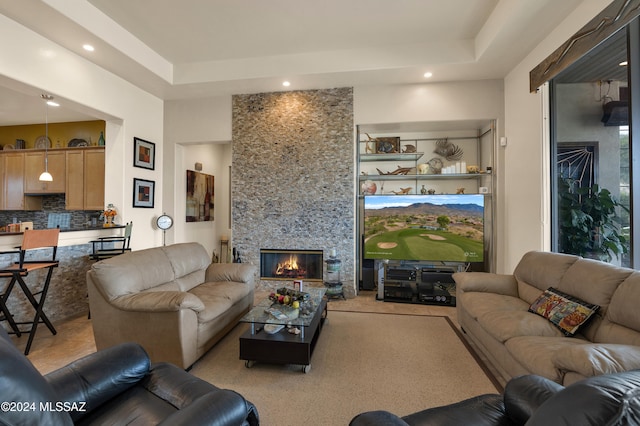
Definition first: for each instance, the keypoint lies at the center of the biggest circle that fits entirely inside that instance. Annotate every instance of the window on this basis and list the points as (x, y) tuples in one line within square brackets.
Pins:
[(591, 187)]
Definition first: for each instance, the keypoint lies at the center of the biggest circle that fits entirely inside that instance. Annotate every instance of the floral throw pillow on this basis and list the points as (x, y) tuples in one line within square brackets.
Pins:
[(566, 312)]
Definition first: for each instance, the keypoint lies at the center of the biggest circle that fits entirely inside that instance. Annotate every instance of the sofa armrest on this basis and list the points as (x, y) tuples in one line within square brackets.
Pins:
[(594, 359), (221, 408), (523, 395), (377, 418), (486, 282), (237, 272), (96, 378), (159, 301)]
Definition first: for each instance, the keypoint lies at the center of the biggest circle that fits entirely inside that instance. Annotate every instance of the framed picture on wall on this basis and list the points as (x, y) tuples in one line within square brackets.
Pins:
[(200, 196), (143, 193), (144, 154)]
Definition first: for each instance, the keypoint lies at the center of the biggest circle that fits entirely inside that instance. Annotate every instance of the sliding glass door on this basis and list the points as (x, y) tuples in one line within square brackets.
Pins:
[(592, 188)]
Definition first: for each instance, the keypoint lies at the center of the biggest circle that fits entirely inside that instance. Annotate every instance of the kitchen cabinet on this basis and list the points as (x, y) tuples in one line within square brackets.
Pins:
[(34, 166), (13, 181), (12, 172), (85, 179), (94, 179), (74, 191)]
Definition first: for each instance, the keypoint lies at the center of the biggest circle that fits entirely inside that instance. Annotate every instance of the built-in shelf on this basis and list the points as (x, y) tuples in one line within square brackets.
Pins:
[(398, 156), (446, 176), (458, 145)]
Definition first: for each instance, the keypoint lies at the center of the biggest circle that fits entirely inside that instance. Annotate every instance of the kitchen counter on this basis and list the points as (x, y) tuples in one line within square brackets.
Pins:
[(68, 237), (67, 297)]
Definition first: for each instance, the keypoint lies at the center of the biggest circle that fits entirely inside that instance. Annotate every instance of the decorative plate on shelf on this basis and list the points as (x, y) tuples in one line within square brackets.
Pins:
[(77, 142), (8, 146), (42, 142)]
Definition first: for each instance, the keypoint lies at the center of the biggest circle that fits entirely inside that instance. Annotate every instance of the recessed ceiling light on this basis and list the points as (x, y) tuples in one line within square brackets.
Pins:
[(428, 74), (623, 63), (88, 47), (49, 99), (286, 84)]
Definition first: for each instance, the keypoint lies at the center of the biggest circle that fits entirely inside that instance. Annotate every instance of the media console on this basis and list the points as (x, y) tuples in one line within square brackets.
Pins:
[(418, 283)]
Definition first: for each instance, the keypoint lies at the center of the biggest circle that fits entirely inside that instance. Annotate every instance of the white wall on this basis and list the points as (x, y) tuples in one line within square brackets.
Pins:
[(197, 130), (525, 170), (460, 100), (35, 62), (215, 160)]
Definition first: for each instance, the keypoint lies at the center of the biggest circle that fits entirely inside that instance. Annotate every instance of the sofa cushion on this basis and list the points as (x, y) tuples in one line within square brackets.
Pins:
[(479, 304), (566, 312), (158, 301), (486, 282), (132, 272), (540, 270), (536, 353), (506, 324), (604, 400), (218, 298), (611, 332), (237, 272), (22, 386), (623, 309), (604, 278), (594, 359), (189, 262), (190, 280)]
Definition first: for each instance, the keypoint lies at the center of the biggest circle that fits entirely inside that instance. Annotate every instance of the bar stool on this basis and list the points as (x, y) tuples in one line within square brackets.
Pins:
[(31, 240), (106, 247)]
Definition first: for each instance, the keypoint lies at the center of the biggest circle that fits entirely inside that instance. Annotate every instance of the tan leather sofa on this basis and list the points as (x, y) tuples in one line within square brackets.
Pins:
[(493, 311), (171, 300)]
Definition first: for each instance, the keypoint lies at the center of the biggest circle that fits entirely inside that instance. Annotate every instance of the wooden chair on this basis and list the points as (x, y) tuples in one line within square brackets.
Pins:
[(31, 240), (106, 247)]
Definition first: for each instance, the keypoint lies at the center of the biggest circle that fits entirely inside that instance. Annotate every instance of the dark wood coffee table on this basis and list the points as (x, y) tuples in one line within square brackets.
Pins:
[(283, 347)]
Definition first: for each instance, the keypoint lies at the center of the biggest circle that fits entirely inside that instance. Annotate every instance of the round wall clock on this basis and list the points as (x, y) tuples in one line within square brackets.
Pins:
[(164, 222)]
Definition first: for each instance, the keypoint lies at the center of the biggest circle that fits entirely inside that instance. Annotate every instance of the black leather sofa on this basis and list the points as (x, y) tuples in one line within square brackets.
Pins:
[(114, 386), (612, 400)]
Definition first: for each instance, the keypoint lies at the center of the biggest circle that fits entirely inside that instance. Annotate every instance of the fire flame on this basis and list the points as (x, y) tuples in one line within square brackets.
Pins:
[(287, 266)]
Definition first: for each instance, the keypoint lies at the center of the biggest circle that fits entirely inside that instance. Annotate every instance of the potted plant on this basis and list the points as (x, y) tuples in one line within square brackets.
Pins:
[(588, 222)]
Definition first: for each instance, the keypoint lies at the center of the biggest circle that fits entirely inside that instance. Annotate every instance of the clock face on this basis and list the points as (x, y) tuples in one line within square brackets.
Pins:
[(164, 222)]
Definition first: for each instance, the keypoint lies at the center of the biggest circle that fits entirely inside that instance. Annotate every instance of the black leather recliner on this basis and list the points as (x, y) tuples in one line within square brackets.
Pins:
[(117, 385), (612, 400)]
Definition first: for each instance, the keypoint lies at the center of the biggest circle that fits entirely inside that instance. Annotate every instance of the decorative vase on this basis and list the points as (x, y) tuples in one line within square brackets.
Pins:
[(101, 139)]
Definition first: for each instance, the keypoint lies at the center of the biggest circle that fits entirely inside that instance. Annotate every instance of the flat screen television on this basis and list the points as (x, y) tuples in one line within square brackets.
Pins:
[(434, 228)]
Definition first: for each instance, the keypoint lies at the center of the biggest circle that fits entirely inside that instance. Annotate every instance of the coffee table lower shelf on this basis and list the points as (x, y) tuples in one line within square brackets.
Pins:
[(282, 347)]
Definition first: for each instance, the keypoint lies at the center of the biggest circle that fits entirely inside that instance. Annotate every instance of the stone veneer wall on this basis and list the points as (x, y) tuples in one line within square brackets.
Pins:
[(292, 179), (67, 296)]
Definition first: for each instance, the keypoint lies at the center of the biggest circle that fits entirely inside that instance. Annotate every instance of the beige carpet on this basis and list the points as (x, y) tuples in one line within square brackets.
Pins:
[(363, 361)]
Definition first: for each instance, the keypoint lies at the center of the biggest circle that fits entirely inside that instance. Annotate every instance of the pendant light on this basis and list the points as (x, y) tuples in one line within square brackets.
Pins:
[(46, 176)]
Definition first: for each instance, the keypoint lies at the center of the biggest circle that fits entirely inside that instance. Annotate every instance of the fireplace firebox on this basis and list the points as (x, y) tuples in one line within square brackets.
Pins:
[(291, 264)]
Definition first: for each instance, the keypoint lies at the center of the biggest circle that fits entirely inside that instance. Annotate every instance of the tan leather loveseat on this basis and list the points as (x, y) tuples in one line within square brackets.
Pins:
[(493, 310), (171, 300)]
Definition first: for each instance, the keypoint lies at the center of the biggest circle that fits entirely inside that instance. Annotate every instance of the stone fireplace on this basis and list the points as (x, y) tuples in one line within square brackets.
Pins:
[(288, 265), (292, 176)]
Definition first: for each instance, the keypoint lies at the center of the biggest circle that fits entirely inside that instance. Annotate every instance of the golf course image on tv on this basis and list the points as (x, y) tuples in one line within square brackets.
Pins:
[(438, 228)]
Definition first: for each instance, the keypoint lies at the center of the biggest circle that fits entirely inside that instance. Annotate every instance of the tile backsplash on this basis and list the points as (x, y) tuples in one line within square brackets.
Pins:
[(50, 204)]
